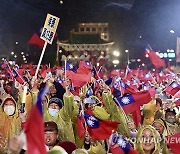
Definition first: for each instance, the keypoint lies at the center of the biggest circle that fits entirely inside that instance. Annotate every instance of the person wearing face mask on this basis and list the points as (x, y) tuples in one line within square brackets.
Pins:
[(53, 111), (10, 122), (170, 117)]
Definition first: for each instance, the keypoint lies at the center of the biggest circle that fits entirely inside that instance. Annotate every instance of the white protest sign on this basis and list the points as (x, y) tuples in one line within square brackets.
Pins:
[(49, 28)]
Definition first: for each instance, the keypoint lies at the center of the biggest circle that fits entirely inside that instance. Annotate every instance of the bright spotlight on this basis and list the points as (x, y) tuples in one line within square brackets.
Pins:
[(116, 53), (115, 61), (147, 55), (138, 60), (172, 31)]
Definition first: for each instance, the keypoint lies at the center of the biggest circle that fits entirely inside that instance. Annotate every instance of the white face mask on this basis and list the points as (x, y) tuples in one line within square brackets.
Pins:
[(9, 110), (53, 112)]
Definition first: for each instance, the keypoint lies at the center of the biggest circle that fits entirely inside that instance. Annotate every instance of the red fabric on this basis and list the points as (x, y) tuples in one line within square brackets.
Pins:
[(137, 117), (104, 131), (177, 102), (152, 91), (115, 72), (32, 71), (156, 60), (36, 40), (44, 72), (17, 77), (21, 71), (83, 65), (35, 133), (25, 66), (78, 80), (68, 146), (173, 142), (140, 98), (80, 127)]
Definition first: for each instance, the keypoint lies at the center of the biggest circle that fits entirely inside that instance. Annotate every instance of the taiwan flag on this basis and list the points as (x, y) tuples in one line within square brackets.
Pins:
[(85, 67), (154, 58), (34, 128), (98, 129), (17, 77), (173, 142), (36, 40), (119, 145), (173, 88), (132, 102)]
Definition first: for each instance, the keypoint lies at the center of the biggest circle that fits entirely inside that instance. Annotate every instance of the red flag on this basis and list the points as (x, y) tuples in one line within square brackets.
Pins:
[(80, 127), (119, 145), (78, 80), (177, 102), (17, 77), (99, 129), (35, 127), (173, 142), (155, 59), (173, 88), (132, 102), (36, 40)]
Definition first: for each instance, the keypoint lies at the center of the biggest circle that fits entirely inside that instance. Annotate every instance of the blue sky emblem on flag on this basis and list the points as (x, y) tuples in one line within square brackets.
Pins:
[(125, 100), (91, 121)]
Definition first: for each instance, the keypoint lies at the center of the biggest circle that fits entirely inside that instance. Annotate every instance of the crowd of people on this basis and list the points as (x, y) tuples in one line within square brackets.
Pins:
[(91, 110)]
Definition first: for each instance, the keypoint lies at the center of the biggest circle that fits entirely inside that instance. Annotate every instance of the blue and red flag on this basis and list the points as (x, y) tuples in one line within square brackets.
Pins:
[(119, 145), (173, 88), (36, 40), (98, 129), (85, 67), (34, 129), (132, 102), (6, 67), (17, 77)]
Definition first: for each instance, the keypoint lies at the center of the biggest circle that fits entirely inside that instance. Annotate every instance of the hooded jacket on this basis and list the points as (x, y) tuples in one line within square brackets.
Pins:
[(138, 144), (9, 125)]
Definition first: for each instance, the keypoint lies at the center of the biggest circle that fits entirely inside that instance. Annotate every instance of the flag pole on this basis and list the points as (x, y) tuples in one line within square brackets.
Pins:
[(40, 59), (65, 63)]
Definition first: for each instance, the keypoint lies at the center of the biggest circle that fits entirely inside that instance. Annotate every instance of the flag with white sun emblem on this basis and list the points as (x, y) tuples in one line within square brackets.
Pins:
[(98, 129), (132, 102), (119, 145)]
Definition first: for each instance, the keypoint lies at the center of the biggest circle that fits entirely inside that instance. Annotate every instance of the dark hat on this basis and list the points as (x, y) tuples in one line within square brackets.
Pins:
[(50, 126), (171, 110), (116, 93), (57, 101)]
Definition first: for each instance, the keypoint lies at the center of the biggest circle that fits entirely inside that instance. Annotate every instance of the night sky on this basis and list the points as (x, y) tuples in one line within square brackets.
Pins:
[(128, 19)]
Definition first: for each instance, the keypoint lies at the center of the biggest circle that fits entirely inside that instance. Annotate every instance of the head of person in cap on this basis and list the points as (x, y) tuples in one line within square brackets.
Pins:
[(170, 116), (89, 103), (51, 137), (51, 134), (55, 104)]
